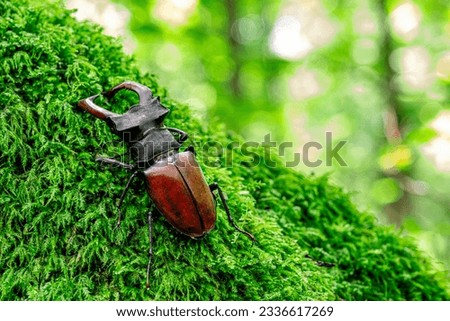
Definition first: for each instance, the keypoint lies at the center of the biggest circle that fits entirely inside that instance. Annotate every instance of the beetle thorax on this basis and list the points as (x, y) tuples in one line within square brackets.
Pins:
[(156, 142)]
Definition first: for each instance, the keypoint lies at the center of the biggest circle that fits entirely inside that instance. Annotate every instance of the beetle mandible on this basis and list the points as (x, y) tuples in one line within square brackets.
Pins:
[(174, 180)]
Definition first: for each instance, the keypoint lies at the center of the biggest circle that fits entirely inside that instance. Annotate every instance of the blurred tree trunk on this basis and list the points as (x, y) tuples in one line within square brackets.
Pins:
[(393, 119), (232, 14)]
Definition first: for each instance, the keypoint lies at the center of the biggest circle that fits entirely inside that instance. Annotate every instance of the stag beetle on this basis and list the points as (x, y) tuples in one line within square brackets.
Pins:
[(174, 180)]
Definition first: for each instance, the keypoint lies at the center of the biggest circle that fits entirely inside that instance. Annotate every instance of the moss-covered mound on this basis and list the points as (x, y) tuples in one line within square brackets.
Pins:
[(57, 206)]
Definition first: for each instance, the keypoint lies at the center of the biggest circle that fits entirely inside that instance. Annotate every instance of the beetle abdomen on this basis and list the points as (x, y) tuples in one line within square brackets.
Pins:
[(178, 188)]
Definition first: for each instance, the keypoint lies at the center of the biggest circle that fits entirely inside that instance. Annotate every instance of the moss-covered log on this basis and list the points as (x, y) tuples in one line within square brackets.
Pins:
[(57, 206)]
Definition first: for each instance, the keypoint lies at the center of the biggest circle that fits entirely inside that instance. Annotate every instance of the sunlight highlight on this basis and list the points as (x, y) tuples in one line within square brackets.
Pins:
[(442, 124), (405, 20), (301, 27), (415, 66), (112, 17), (443, 67), (439, 148), (175, 12), (287, 39)]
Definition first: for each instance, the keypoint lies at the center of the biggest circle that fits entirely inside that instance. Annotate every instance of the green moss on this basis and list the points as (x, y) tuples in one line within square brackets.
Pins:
[(57, 206)]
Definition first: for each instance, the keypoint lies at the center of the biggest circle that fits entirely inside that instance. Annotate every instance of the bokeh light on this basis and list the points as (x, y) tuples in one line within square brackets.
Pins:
[(175, 12), (443, 67), (301, 27), (416, 67), (287, 39), (112, 17), (438, 149), (405, 20)]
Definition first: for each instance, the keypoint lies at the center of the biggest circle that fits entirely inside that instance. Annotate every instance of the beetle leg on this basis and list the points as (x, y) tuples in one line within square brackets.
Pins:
[(119, 219), (182, 135), (145, 94), (114, 162), (215, 186), (150, 251)]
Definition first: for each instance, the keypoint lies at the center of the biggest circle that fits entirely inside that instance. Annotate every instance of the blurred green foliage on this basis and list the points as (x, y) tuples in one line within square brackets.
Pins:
[(375, 73)]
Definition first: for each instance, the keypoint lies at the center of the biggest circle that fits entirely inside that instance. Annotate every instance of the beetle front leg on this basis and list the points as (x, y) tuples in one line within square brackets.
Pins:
[(215, 186), (115, 162), (182, 135), (119, 218), (150, 251)]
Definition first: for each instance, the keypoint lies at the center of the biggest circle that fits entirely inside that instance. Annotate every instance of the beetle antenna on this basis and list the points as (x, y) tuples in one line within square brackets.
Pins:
[(216, 186)]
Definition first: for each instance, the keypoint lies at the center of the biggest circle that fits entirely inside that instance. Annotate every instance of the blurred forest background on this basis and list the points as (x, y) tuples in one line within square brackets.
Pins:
[(375, 73)]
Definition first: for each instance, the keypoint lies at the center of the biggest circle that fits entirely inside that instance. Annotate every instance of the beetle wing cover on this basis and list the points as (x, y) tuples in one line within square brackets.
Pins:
[(179, 191)]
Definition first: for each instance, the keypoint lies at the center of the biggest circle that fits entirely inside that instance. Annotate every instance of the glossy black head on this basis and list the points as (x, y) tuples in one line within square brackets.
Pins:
[(141, 127)]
